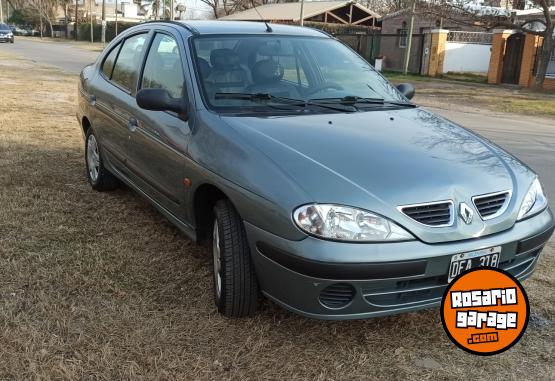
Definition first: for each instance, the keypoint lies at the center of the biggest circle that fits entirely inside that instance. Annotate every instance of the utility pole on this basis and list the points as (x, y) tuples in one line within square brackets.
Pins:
[(40, 17), (116, 17), (92, 32), (172, 10), (302, 13), (103, 34), (75, 26), (66, 18), (1, 12), (409, 38)]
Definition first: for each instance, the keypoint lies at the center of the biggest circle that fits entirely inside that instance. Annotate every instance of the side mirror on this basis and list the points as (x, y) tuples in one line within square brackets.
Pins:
[(160, 100), (406, 89)]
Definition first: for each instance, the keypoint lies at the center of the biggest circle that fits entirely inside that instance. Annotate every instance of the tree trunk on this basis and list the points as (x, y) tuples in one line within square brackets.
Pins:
[(543, 58), (50, 27), (65, 19)]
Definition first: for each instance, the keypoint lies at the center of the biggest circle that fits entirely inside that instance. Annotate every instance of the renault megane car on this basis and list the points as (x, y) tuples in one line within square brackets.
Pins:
[(314, 181)]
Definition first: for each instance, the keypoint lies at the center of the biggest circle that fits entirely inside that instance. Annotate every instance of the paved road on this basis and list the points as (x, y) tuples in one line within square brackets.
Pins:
[(68, 57), (531, 139)]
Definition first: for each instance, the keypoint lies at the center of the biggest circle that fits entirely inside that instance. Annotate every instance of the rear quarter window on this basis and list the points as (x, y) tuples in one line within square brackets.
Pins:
[(109, 61)]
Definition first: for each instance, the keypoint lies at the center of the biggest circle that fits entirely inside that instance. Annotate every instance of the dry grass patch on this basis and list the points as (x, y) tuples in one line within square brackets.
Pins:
[(100, 286)]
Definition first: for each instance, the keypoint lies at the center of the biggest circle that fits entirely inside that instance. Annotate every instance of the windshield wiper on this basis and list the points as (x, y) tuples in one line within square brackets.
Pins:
[(352, 100), (259, 98), (266, 98)]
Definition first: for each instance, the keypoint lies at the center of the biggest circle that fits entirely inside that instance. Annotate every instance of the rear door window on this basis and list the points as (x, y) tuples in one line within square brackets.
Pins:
[(129, 59)]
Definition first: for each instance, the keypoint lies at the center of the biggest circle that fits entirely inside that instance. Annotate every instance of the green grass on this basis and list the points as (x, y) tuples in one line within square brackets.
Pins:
[(465, 77), (400, 77), (529, 106), (451, 76)]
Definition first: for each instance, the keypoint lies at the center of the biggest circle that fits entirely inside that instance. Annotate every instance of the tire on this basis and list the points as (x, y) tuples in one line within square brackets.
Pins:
[(99, 177), (235, 283)]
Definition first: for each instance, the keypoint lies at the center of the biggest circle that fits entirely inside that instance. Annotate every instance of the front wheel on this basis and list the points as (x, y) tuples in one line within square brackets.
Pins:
[(99, 177), (235, 283)]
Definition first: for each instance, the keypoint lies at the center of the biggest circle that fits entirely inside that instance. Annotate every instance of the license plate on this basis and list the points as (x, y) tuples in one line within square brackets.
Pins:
[(466, 261)]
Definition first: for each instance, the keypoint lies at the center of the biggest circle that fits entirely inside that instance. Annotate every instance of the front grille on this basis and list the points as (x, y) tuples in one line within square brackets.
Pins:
[(434, 214), (337, 295), (410, 292), (407, 292), (491, 205)]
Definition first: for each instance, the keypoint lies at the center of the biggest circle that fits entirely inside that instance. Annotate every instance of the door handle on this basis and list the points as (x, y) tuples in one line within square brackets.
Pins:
[(92, 100), (132, 124)]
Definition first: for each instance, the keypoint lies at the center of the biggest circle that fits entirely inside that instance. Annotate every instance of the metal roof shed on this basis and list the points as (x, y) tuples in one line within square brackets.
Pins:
[(347, 13)]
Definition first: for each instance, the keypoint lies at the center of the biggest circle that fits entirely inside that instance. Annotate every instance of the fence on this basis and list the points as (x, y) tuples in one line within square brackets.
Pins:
[(480, 38), (551, 65), (85, 30), (393, 48), (367, 45)]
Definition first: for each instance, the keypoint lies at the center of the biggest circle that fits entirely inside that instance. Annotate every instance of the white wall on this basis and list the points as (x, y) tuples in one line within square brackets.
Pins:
[(464, 57)]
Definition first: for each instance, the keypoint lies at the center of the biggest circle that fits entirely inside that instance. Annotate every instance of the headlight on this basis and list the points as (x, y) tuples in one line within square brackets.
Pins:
[(343, 223), (534, 201)]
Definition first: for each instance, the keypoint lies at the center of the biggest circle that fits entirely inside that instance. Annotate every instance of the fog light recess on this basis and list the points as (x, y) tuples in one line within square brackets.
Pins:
[(337, 296)]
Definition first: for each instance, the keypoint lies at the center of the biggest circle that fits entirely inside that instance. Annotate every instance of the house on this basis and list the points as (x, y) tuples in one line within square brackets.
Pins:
[(343, 13), (138, 10), (128, 12), (352, 23), (394, 37)]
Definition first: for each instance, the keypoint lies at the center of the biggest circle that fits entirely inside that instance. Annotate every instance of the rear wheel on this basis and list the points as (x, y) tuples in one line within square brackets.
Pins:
[(235, 283), (99, 177)]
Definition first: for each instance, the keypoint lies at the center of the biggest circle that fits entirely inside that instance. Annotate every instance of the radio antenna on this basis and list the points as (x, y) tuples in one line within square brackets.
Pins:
[(268, 28)]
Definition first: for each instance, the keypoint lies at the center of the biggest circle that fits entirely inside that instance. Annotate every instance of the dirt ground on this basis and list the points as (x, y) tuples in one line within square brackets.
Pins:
[(100, 286)]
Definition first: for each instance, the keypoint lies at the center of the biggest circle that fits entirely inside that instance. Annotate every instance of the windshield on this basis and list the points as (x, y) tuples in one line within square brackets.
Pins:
[(287, 70), (4, 27)]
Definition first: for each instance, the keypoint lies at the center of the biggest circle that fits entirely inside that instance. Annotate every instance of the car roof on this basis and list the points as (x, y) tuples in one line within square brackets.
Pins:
[(246, 27)]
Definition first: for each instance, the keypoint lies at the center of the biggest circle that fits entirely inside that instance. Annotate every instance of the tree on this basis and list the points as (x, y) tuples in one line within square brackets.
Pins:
[(223, 7), (467, 12), (24, 16), (385, 7), (30, 12), (228, 7)]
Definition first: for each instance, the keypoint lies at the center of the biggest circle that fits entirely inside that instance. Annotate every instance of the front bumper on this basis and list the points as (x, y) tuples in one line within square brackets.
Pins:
[(384, 278), (6, 39)]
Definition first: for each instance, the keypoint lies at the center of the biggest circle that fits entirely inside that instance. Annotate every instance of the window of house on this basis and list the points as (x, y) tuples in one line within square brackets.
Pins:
[(163, 67), (129, 59), (108, 64), (403, 35)]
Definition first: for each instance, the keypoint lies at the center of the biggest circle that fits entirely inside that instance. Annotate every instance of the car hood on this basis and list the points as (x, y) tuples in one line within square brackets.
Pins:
[(379, 160)]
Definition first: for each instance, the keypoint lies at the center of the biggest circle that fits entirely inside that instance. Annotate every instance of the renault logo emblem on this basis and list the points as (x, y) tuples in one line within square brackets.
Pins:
[(466, 213)]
